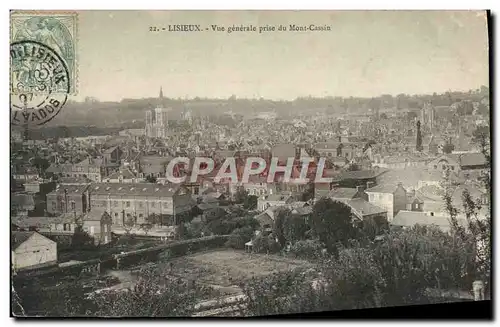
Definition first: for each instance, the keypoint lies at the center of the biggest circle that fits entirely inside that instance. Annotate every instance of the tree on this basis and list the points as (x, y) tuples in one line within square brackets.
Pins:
[(448, 147), (383, 116), (250, 202), (240, 195), (81, 238), (239, 237), (146, 228), (419, 146), (155, 294), (332, 222), (295, 228), (282, 216), (128, 224)]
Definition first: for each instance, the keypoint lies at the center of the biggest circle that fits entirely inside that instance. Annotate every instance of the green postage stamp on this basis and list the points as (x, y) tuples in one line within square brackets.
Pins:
[(58, 31)]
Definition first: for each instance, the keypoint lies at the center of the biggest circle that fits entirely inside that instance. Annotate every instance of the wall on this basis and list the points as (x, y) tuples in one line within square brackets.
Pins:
[(35, 251), (383, 200)]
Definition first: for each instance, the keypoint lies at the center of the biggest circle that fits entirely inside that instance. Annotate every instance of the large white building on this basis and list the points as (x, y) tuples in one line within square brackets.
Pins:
[(157, 120)]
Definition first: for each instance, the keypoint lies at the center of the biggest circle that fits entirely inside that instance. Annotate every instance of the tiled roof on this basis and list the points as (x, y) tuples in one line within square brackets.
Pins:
[(71, 189), (360, 174), (125, 173), (385, 188), (146, 189), (342, 193), (410, 218), (472, 159), (365, 208)]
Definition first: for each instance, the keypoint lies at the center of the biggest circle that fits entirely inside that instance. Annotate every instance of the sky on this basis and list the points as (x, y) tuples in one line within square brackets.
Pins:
[(364, 54)]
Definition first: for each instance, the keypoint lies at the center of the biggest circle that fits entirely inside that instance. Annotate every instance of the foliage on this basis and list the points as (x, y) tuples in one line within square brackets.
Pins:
[(240, 195), (193, 230), (332, 223), (146, 228), (295, 228), (306, 249), (265, 244), (81, 239), (412, 260), (128, 224), (239, 237), (280, 293), (225, 226), (250, 202), (448, 147), (282, 215), (154, 295)]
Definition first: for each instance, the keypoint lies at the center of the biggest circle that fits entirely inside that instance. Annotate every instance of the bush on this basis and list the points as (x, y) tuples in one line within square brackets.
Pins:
[(265, 244), (306, 249), (239, 237)]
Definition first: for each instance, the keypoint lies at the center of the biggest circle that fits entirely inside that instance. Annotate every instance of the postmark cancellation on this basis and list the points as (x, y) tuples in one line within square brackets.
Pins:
[(56, 30)]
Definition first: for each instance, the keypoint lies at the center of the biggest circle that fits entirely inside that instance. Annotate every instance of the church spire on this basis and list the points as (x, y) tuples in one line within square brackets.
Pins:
[(161, 94)]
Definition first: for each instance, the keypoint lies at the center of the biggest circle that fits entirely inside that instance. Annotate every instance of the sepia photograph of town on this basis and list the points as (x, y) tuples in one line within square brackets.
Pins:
[(249, 163)]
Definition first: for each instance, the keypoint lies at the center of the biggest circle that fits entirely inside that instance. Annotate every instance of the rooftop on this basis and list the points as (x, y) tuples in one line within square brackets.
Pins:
[(365, 208)]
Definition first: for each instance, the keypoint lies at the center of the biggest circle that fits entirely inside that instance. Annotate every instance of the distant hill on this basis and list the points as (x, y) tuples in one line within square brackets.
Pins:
[(132, 111)]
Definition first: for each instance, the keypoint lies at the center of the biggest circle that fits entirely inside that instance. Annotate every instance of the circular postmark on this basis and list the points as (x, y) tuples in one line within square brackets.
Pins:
[(39, 83)]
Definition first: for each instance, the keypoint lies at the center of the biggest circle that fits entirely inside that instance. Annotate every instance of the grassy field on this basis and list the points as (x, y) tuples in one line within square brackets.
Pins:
[(226, 268)]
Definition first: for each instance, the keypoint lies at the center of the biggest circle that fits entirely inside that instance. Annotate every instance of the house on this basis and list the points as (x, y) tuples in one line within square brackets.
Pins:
[(406, 219), (414, 203), (22, 203), (154, 166), (358, 177), (68, 198), (390, 197), (344, 193), (97, 224), (32, 250), (140, 200), (445, 162), (266, 218), (267, 201), (112, 155), (123, 175), (367, 212)]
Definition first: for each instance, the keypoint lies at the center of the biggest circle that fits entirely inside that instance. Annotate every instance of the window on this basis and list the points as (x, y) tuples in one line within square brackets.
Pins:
[(54, 205), (128, 204), (153, 204), (116, 214), (140, 204), (115, 203), (73, 205), (452, 167), (435, 167), (165, 204), (141, 215)]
